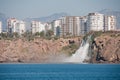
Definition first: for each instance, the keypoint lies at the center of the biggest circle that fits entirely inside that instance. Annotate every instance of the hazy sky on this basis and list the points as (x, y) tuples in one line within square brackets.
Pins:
[(38, 8)]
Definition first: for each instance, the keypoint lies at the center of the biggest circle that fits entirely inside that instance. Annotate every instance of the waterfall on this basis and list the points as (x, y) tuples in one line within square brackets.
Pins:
[(82, 53)]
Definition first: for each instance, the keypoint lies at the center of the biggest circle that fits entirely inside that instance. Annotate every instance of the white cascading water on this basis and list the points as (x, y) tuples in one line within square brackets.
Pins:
[(81, 54)]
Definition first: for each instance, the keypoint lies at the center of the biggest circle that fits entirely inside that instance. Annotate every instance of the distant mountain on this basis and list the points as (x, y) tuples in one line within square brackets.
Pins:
[(48, 18), (112, 12), (45, 19), (52, 17), (3, 19)]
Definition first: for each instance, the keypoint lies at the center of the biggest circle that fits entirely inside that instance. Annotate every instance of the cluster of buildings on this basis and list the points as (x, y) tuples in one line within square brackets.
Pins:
[(67, 25), (100, 22), (77, 25)]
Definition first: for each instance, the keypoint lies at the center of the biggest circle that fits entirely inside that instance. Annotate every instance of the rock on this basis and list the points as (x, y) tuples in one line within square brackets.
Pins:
[(38, 50), (109, 47)]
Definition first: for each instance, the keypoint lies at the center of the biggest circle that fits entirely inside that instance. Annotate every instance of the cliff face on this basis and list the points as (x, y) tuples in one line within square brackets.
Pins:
[(107, 49), (38, 50)]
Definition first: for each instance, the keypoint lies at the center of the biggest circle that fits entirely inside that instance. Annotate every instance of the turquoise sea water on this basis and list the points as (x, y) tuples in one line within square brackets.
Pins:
[(59, 72)]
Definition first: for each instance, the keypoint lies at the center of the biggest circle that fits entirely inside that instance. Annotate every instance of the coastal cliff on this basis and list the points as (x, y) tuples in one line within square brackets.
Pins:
[(105, 50), (37, 50)]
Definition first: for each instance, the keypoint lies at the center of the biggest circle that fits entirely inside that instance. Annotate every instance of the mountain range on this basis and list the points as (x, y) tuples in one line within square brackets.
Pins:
[(48, 18), (55, 16)]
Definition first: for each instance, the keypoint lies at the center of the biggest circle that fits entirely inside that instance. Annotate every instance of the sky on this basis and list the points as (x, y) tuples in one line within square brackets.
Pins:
[(39, 8)]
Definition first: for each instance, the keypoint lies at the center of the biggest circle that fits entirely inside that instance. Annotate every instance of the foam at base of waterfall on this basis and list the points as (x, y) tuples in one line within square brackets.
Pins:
[(80, 55)]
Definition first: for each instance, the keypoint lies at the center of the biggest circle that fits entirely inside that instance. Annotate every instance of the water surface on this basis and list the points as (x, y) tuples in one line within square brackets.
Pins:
[(59, 72)]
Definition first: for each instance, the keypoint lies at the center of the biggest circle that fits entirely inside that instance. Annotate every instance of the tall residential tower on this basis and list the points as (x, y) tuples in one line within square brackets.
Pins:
[(95, 22)]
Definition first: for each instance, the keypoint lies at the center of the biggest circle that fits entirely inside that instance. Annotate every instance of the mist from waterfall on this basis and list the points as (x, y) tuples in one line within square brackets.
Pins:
[(81, 54)]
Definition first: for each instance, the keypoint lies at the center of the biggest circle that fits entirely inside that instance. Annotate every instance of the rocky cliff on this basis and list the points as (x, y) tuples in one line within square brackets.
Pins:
[(107, 48), (37, 50)]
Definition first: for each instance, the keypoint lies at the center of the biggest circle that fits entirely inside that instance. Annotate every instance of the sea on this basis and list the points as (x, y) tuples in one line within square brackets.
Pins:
[(59, 71)]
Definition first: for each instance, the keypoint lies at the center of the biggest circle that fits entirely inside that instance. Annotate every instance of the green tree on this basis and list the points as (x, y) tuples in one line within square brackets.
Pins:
[(49, 33), (15, 35), (37, 34), (42, 34), (4, 35)]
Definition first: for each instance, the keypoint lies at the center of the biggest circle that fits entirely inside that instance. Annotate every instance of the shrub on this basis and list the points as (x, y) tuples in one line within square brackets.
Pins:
[(70, 49)]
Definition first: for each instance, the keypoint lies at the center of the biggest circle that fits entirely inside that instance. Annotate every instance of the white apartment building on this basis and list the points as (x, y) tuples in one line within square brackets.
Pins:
[(20, 27), (14, 25), (77, 26), (11, 25), (95, 22), (0, 27), (37, 27), (70, 25), (110, 23)]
